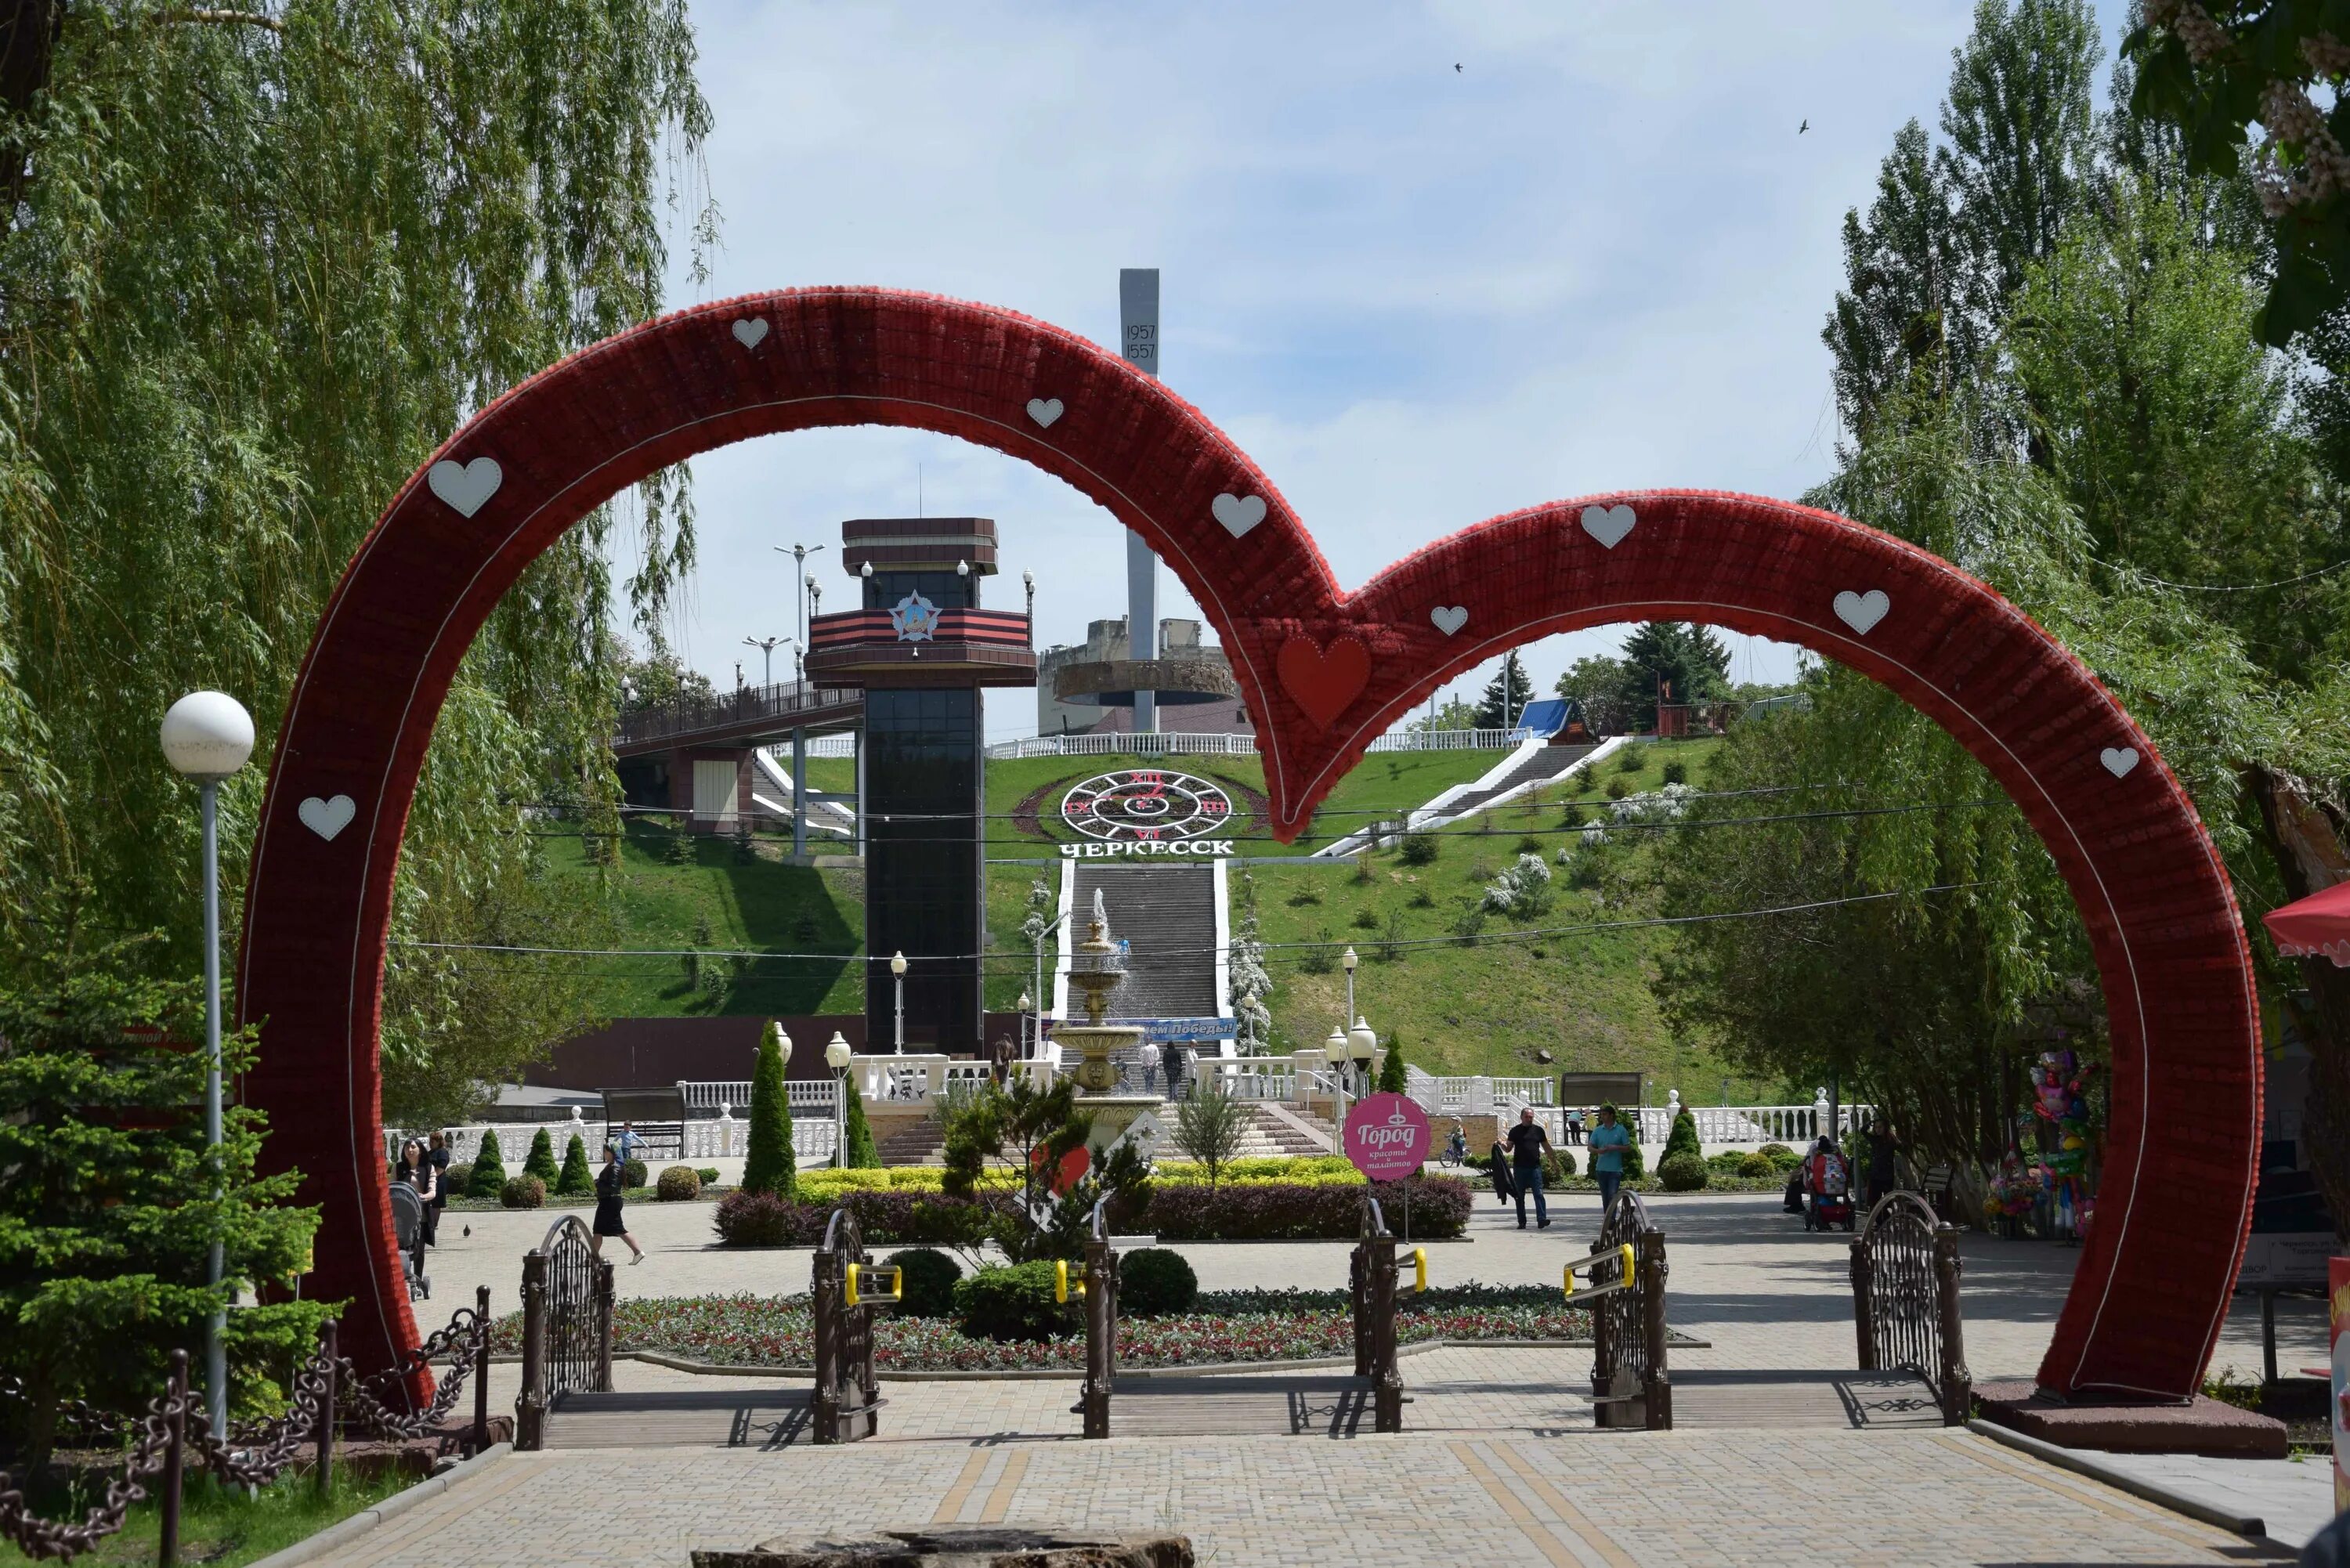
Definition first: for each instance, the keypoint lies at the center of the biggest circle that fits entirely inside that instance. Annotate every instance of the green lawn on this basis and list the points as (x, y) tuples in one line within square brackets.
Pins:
[(763, 905), (222, 1526), (1587, 999), (1484, 1002)]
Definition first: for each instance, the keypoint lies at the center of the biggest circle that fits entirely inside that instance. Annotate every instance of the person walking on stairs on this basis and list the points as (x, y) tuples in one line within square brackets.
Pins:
[(1529, 1141)]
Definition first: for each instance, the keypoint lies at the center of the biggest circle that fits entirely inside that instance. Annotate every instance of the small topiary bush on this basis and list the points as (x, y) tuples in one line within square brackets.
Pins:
[(487, 1176), (1558, 1166), (1009, 1303), (709, 1173), (1681, 1172), (1683, 1137), (1781, 1157), (457, 1181), (928, 1278), (678, 1184), (522, 1192), (1155, 1281), (1756, 1164), (1419, 849), (633, 1173), (574, 1178), (1729, 1162), (540, 1161)]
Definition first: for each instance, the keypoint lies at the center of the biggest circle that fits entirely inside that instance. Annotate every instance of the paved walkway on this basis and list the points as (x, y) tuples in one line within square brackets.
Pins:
[(1576, 1501), (1745, 1276)]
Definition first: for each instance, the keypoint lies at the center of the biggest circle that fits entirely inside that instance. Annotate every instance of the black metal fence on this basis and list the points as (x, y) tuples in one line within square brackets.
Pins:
[(328, 1396), (1629, 1381), (1371, 1284), (567, 1325), (1905, 1300), (841, 1297)]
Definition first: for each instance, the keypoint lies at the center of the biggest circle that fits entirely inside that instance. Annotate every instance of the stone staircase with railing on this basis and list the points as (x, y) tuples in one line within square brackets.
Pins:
[(1537, 768), (1167, 916)]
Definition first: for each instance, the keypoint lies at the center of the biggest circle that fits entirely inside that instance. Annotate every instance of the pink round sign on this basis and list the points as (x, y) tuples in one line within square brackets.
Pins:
[(1387, 1136)]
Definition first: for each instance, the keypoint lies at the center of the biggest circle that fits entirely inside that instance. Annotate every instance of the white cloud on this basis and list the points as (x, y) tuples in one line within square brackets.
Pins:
[(1595, 257)]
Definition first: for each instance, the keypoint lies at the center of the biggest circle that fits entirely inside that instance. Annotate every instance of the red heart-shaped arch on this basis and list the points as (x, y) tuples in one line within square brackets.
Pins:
[(2152, 1286)]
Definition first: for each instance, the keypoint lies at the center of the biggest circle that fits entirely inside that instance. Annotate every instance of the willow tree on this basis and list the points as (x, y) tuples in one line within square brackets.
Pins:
[(259, 264)]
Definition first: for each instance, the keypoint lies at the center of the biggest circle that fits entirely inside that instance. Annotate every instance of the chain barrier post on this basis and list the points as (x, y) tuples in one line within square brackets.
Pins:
[(331, 1353), (167, 1545), (1656, 1383), (1359, 1304), (481, 1368), (847, 1395), (1101, 1332), (1388, 1387), (1957, 1385), (1864, 1310), (530, 1406), (604, 1328)]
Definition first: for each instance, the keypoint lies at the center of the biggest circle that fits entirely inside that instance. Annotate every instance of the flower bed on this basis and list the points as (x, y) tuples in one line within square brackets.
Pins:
[(1224, 1326), (1178, 1211)]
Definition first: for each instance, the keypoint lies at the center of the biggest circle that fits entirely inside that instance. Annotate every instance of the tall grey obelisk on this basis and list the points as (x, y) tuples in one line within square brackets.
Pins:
[(1137, 313)]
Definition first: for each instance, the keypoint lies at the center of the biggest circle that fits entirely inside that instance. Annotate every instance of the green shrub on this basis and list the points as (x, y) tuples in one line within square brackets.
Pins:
[(540, 1162), (926, 1278), (1681, 1172), (768, 1165), (522, 1192), (1010, 1302), (1781, 1157), (633, 1173), (1729, 1162), (863, 1153), (1558, 1166), (1155, 1281), (1530, 844), (678, 1184), (487, 1177), (1756, 1164), (457, 1181), (1419, 849), (1618, 788), (709, 1173), (1367, 920), (1683, 1137), (1631, 759), (575, 1176), (1676, 773)]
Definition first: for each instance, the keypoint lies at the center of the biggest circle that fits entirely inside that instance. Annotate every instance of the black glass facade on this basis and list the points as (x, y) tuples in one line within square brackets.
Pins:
[(946, 590), (923, 855)]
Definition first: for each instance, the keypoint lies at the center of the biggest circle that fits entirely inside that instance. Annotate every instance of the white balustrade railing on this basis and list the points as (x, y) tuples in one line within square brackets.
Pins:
[(1176, 744)]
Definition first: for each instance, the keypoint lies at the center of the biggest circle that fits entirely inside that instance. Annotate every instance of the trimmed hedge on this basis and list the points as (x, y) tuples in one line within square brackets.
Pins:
[(1682, 1172), (633, 1174), (927, 1282), (522, 1192), (574, 1178), (678, 1184), (763, 1220), (487, 1175), (1012, 1303), (540, 1160), (1155, 1281), (1296, 1211)]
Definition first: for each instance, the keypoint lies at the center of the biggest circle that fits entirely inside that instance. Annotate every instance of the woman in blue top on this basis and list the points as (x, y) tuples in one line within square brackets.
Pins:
[(1609, 1142)]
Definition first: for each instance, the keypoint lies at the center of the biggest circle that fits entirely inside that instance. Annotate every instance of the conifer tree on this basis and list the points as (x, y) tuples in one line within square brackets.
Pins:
[(576, 1176), (540, 1161), (489, 1172), (768, 1165), (863, 1153)]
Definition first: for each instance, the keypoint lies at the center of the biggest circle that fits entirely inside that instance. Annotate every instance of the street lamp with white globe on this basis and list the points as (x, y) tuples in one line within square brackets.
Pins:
[(898, 972), (207, 736), (835, 1056), (1363, 1044)]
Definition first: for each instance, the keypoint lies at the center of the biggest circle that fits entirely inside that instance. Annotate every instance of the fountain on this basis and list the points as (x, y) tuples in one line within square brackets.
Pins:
[(1096, 968)]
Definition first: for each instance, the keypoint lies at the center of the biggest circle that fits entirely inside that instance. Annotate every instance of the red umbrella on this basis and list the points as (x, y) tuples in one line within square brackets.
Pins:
[(2315, 927)]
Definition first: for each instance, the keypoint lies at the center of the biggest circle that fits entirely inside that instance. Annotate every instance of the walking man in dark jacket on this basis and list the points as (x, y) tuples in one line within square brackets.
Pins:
[(1529, 1141)]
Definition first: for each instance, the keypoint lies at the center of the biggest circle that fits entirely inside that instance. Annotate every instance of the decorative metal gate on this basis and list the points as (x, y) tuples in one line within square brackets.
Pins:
[(567, 1325), (1371, 1281), (1629, 1382), (841, 1294), (1905, 1300)]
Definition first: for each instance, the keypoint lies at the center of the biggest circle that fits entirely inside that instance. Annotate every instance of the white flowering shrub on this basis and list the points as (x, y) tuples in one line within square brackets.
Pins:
[(1522, 890), (1666, 805)]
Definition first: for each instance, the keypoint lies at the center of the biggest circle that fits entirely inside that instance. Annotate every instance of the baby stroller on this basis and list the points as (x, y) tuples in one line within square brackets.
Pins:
[(1830, 1185), (408, 1229)]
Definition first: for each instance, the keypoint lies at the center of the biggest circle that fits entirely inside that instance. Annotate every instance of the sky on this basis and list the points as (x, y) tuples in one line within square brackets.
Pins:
[(1427, 263)]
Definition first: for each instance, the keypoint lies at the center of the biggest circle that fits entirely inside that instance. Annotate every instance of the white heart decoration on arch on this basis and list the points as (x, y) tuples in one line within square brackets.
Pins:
[(466, 486), (1862, 611), (329, 816), (1450, 619), (751, 331), (1238, 513), (1609, 524), (2119, 760), (1045, 410)]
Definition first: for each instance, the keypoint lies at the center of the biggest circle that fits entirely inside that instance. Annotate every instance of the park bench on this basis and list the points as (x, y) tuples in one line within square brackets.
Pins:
[(1937, 1184), (659, 1116)]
